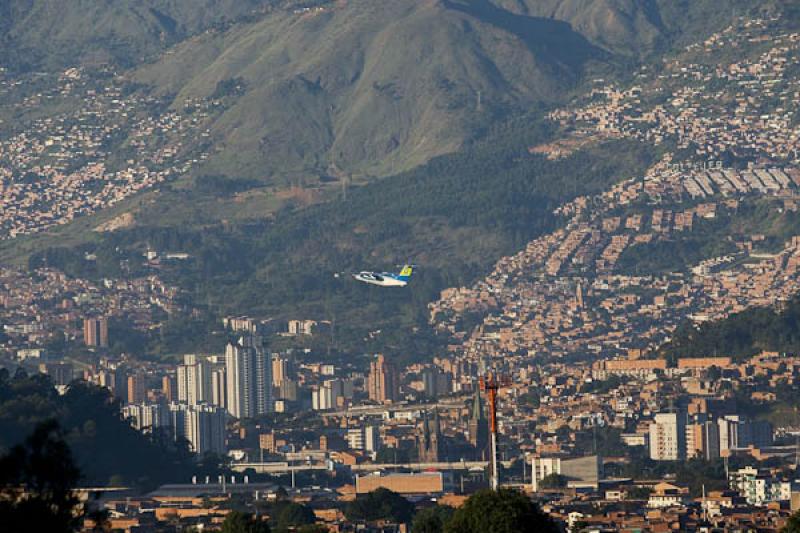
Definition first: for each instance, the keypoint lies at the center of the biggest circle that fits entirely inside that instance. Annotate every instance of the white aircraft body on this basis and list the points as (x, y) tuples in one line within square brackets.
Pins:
[(386, 279)]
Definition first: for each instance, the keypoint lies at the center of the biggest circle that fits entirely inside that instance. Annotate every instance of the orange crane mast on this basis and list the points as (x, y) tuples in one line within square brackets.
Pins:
[(490, 385)]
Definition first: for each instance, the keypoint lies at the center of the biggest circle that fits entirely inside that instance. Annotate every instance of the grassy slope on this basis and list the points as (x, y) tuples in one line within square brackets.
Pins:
[(54, 34), (365, 87)]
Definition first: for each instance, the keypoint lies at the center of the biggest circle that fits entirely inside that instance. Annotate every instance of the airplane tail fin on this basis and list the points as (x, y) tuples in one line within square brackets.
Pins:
[(405, 274)]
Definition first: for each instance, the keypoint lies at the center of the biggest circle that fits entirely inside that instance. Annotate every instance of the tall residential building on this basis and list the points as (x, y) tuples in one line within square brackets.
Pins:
[(136, 388), (194, 380), (95, 332), (119, 380), (365, 438), (60, 373), (355, 438), (280, 369), (327, 396), (372, 438), (383, 383), (288, 390), (702, 440), (168, 388), (435, 382), (248, 372), (736, 431), (202, 425), (219, 387), (147, 416), (301, 327), (668, 437)]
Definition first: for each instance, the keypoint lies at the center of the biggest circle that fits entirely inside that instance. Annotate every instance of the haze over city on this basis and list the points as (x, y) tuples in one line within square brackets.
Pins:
[(440, 266)]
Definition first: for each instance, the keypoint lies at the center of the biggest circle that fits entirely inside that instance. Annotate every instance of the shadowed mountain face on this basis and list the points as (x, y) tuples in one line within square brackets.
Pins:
[(553, 40), (639, 27), (370, 87)]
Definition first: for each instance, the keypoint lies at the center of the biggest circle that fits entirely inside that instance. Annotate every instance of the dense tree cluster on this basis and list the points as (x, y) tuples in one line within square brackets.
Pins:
[(95, 432), (740, 335), (504, 511), (380, 504), (37, 478)]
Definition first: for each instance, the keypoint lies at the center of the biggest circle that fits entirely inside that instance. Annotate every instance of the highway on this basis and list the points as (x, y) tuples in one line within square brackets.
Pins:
[(285, 468)]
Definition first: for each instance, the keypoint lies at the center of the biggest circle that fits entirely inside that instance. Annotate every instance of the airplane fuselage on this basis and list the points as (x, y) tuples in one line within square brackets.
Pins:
[(381, 279)]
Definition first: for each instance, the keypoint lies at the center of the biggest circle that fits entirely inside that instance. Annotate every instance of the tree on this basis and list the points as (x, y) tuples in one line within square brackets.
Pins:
[(313, 528), (638, 493), (504, 511), (291, 514), (238, 522), (432, 519), (553, 481), (793, 524), (380, 504), (36, 484)]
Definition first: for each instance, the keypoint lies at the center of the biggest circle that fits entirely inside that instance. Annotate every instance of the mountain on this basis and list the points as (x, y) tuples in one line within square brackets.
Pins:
[(360, 87), (640, 28), (363, 88), (51, 33), (322, 88)]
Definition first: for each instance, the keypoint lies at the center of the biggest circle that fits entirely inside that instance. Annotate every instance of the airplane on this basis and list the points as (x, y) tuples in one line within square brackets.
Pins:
[(386, 279)]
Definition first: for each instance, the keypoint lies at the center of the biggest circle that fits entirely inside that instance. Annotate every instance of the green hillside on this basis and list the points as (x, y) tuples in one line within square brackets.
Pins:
[(453, 217), (361, 87), (38, 34), (741, 335)]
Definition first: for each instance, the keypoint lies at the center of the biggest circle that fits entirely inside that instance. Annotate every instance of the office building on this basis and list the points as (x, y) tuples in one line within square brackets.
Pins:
[(736, 431)]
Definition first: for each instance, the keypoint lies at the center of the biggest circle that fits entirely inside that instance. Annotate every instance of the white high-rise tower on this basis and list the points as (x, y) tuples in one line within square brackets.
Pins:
[(248, 371)]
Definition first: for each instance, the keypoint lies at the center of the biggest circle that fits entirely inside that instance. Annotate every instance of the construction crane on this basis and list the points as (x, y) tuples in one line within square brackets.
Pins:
[(490, 384)]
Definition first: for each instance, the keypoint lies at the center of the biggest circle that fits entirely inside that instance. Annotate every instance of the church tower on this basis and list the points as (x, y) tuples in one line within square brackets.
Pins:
[(477, 428), (428, 445)]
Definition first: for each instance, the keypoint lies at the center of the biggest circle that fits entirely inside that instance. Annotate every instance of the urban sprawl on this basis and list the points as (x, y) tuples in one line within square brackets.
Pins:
[(568, 327)]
